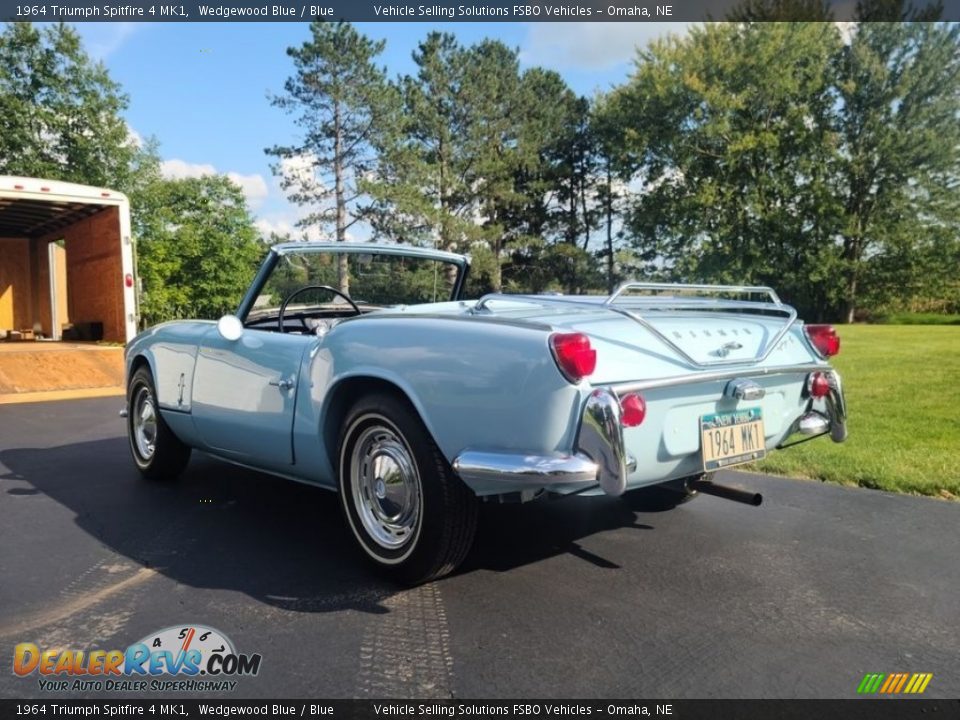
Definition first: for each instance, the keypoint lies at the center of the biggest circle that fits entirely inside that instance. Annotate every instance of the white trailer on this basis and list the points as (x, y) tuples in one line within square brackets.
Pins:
[(67, 263)]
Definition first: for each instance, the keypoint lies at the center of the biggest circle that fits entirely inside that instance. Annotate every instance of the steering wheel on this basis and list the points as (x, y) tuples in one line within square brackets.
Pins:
[(291, 296)]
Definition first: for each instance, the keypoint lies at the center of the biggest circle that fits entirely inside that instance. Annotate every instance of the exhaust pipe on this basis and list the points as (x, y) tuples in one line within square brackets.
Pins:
[(728, 493)]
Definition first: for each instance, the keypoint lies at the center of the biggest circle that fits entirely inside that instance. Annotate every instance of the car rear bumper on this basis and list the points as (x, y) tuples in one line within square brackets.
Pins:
[(830, 417), (600, 454)]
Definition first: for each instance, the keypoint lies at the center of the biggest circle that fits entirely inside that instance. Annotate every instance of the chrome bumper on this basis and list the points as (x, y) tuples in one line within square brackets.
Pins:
[(532, 470), (600, 456), (814, 422)]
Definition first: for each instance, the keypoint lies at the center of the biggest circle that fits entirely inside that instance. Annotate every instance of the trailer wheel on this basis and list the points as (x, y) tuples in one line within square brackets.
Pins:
[(157, 452)]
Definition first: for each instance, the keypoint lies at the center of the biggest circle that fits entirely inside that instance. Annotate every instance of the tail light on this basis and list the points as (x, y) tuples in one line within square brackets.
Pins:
[(573, 354), (817, 385), (824, 338), (633, 409)]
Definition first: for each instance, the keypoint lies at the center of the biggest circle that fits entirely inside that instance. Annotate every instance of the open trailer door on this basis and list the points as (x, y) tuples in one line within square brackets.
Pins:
[(66, 262)]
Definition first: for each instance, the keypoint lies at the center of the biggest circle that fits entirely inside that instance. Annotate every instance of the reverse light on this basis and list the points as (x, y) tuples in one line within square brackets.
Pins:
[(824, 338), (633, 409), (817, 385), (574, 355)]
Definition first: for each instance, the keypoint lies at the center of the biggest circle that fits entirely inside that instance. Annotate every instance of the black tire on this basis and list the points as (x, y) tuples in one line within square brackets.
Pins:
[(168, 456), (658, 498), (419, 524)]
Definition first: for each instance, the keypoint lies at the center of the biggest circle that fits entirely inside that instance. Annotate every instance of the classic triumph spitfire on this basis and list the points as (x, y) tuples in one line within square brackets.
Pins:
[(360, 368)]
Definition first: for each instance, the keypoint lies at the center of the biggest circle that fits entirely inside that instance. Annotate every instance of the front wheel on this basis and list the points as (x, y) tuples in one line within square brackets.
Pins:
[(157, 452), (411, 515)]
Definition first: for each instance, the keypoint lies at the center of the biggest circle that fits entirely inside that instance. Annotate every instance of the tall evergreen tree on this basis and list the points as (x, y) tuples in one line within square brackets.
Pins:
[(339, 96), (421, 182)]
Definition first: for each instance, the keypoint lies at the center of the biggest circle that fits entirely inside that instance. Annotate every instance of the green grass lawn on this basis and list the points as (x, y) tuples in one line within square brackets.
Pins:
[(902, 385)]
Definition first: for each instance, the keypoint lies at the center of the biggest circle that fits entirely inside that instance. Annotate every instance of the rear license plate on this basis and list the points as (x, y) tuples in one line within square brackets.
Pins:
[(732, 438)]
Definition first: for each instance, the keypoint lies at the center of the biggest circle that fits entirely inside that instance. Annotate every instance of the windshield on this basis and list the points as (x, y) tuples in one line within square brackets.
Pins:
[(367, 279)]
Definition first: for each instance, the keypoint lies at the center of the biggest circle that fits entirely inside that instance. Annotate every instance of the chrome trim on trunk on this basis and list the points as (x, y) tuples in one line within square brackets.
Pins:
[(694, 378)]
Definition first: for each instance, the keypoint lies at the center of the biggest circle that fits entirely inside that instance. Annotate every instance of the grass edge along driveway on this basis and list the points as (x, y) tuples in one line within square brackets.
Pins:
[(902, 385)]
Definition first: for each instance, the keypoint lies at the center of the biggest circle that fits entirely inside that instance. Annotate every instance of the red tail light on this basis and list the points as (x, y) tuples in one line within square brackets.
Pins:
[(817, 385), (824, 339), (574, 356), (633, 409)]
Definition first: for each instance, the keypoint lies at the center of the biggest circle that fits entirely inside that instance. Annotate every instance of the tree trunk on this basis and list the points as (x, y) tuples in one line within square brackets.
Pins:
[(851, 253), (583, 209), (343, 269), (609, 210)]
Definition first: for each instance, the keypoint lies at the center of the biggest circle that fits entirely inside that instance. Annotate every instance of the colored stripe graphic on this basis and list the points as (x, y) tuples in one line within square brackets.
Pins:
[(870, 683), (894, 683)]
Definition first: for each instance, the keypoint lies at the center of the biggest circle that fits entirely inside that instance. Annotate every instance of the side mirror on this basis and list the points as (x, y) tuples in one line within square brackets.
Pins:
[(230, 327)]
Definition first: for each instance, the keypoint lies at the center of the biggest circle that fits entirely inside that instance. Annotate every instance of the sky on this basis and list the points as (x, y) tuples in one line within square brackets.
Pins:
[(202, 89)]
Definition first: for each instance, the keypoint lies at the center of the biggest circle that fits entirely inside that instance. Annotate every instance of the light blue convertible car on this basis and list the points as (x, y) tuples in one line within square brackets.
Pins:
[(360, 368)]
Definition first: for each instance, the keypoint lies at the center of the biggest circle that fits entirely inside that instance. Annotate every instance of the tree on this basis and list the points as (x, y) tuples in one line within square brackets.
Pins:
[(444, 173), (609, 129), (197, 249), (425, 183), (898, 174), (339, 96), (730, 131), (60, 113)]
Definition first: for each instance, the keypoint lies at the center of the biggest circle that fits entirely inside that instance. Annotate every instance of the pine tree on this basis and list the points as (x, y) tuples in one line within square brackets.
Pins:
[(340, 99)]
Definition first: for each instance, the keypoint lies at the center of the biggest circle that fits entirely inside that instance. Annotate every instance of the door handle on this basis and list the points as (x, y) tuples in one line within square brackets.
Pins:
[(282, 384)]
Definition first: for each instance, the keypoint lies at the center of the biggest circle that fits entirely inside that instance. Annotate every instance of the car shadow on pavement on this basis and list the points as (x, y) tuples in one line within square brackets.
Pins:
[(280, 542)]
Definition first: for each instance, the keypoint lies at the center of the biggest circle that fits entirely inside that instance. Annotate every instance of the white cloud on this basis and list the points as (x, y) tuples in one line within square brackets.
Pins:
[(254, 186), (285, 224), (299, 168), (590, 45), (178, 169), (134, 138)]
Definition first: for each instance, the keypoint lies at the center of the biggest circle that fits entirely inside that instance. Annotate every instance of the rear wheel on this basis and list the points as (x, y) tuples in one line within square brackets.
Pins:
[(410, 514), (157, 452)]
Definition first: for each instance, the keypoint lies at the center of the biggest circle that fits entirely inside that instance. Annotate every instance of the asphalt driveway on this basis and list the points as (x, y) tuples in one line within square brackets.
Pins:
[(575, 598)]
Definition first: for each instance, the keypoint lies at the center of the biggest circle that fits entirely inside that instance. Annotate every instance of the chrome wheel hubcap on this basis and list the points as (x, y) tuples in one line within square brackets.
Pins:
[(385, 487), (144, 423)]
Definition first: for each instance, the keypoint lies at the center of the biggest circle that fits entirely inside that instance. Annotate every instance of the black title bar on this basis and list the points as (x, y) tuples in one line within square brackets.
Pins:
[(446, 11), (172, 709)]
